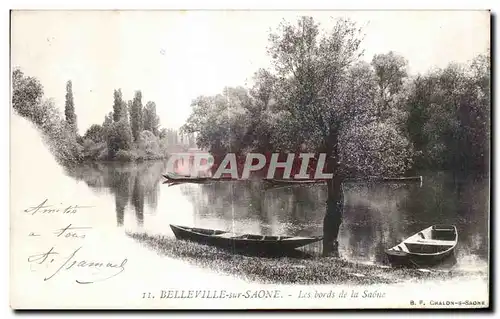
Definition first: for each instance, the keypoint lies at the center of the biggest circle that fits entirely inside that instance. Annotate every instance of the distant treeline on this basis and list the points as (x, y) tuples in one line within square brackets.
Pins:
[(370, 118), (319, 96), (129, 132)]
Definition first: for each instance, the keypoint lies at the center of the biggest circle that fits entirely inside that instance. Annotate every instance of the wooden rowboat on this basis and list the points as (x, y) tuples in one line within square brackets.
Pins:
[(175, 179), (426, 248), (241, 242), (348, 180)]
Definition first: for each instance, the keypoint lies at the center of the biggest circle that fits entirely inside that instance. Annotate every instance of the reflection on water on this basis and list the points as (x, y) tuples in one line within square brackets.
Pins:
[(376, 216), (130, 184)]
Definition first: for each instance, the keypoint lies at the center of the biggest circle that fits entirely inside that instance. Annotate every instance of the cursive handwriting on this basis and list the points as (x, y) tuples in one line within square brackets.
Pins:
[(43, 208), (71, 231), (72, 262)]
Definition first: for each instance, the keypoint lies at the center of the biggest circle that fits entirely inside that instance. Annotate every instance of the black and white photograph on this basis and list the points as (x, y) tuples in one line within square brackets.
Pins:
[(250, 159)]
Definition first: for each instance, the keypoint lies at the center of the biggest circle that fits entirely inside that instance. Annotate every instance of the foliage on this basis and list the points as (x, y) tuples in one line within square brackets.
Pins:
[(95, 133), (119, 106), (391, 71), (28, 101), (69, 109), (449, 116), (27, 94), (125, 156), (149, 143), (151, 120), (318, 97), (93, 150), (136, 116), (376, 149), (221, 119), (119, 137)]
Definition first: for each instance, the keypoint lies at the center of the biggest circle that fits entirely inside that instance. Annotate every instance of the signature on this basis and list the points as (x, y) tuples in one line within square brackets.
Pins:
[(110, 269), (43, 208)]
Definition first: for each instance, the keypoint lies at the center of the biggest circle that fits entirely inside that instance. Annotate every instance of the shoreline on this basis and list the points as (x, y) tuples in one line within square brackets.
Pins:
[(311, 270)]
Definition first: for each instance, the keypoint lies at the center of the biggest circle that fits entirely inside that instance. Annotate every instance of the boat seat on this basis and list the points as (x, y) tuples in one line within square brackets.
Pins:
[(431, 242), (444, 233), (226, 235)]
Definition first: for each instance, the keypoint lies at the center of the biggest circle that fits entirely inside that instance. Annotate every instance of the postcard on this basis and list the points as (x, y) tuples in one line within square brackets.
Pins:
[(252, 159)]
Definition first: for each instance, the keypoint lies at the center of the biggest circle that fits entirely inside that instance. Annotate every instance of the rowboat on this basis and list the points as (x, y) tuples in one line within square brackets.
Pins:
[(241, 242), (426, 248), (174, 179), (293, 181), (178, 179), (280, 182)]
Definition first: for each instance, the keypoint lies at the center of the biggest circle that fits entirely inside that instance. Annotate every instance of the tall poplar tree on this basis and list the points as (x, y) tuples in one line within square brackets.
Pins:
[(136, 116), (69, 109)]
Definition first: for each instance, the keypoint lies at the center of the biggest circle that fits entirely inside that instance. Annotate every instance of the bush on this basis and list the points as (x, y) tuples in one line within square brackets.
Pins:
[(119, 137), (96, 133), (125, 156), (91, 149), (27, 101)]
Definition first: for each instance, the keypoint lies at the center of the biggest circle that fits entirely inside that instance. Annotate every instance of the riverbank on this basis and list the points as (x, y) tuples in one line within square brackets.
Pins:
[(288, 270)]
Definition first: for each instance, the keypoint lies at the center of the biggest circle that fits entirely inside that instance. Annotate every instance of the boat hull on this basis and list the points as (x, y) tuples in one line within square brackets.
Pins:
[(242, 244), (430, 247), (404, 259)]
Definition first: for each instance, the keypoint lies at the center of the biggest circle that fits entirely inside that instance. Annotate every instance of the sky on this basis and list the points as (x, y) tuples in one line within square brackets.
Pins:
[(175, 56)]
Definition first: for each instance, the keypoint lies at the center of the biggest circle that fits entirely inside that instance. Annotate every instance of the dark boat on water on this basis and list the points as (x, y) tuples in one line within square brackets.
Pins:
[(429, 247), (294, 181), (175, 179), (348, 180), (242, 242)]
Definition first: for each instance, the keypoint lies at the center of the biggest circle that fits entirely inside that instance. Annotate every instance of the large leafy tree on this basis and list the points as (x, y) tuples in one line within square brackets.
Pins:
[(27, 95), (369, 119), (449, 116), (318, 97), (391, 71), (325, 101), (221, 120)]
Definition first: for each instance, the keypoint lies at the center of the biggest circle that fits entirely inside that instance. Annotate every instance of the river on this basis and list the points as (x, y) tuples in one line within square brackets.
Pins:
[(131, 197), (376, 216)]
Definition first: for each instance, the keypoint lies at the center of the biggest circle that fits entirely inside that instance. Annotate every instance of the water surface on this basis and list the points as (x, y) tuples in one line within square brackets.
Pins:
[(376, 216)]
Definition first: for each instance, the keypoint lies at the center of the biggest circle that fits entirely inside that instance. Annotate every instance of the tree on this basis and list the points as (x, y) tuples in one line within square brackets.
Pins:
[(325, 103), (163, 133), (108, 120), (28, 101), (149, 143), (27, 94), (95, 133), (136, 116), (222, 120), (449, 117), (69, 108), (390, 71), (119, 106), (119, 137), (151, 120)]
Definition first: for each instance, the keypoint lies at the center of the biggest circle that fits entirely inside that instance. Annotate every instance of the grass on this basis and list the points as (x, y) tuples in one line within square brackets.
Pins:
[(285, 270)]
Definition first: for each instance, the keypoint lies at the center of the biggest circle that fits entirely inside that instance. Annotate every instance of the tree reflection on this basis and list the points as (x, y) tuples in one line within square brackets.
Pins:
[(134, 183), (376, 216)]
